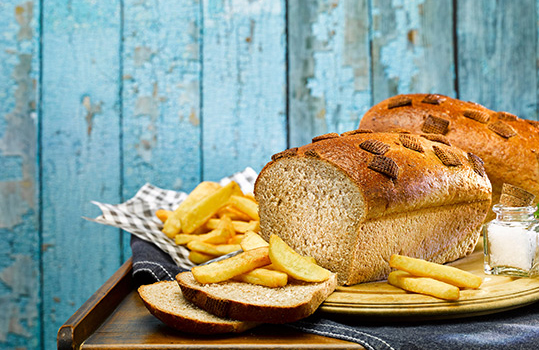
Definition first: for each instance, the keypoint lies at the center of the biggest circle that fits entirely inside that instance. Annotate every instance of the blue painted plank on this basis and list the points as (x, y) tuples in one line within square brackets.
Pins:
[(412, 47), (497, 54), (161, 79), (244, 85), (80, 154), (161, 116), (19, 251), (329, 67)]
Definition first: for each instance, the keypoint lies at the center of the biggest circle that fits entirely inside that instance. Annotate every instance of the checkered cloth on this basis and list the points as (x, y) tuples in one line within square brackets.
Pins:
[(137, 215)]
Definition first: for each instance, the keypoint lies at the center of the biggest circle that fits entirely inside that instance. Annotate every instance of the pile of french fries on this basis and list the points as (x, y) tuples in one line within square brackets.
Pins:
[(268, 264), (424, 277), (212, 220)]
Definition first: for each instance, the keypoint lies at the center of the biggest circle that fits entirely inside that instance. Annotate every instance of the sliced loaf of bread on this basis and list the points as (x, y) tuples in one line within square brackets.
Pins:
[(166, 302), (249, 302), (351, 201)]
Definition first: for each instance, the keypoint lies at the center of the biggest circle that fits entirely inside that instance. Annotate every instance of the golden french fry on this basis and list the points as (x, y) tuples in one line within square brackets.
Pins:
[(246, 206), (236, 239), (199, 258), (239, 226), (173, 224), (207, 207), (163, 214), (444, 273), (311, 259), (254, 226), (285, 259), (217, 236), (226, 224), (423, 285), (233, 213), (250, 196), (184, 238), (264, 277), (252, 240), (212, 249), (223, 270)]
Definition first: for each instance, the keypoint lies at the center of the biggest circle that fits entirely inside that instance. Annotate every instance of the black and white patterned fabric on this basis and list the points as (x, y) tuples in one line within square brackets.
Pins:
[(137, 216)]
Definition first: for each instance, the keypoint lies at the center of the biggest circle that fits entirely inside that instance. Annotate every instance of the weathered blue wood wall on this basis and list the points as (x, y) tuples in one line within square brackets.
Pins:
[(99, 97)]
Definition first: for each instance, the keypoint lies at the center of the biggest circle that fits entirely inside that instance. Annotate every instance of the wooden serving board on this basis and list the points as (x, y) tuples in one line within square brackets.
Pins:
[(383, 301), (115, 318)]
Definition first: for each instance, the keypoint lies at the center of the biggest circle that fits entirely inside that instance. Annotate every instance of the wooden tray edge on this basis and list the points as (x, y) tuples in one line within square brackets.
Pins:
[(96, 309)]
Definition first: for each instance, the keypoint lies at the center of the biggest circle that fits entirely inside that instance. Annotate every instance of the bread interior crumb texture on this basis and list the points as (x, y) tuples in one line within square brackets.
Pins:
[(299, 195)]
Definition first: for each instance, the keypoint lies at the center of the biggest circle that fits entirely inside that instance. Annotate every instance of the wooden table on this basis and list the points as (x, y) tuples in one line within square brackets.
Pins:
[(115, 317)]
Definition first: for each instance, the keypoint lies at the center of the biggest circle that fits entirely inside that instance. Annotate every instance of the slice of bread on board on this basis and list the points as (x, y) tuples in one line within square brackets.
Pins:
[(249, 302), (166, 302)]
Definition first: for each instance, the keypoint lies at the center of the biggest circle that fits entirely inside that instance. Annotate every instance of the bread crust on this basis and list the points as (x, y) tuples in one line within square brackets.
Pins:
[(424, 182), (508, 145), (243, 307), (187, 322)]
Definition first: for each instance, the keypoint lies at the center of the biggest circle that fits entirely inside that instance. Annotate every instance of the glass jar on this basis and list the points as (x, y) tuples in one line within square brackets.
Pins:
[(511, 242)]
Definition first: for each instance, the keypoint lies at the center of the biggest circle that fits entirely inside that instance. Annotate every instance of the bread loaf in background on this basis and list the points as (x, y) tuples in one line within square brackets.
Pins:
[(352, 200), (508, 145)]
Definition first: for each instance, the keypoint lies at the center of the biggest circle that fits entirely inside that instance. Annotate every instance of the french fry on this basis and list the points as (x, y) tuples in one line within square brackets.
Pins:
[(223, 270), (184, 238), (264, 277), (233, 213), (199, 258), (236, 239), (207, 207), (239, 226), (246, 206), (285, 259), (423, 285), (212, 249), (217, 236), (252, 240), (173, 224), (163, 214), (250, 196), (444, 273)]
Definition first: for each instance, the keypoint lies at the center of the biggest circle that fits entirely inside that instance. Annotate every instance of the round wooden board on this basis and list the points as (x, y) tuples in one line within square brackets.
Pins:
[(383, 301)]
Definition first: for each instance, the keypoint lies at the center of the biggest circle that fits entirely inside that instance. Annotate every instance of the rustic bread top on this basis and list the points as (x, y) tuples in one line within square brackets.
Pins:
[(508, 145), (399, 172)]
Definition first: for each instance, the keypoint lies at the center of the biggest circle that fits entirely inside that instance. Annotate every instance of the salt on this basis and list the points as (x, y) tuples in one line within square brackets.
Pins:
[(511, 242), (512, 247)]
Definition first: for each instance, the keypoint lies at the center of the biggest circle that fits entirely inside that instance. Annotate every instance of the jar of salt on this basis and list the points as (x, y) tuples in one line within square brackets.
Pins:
[(511, 241)]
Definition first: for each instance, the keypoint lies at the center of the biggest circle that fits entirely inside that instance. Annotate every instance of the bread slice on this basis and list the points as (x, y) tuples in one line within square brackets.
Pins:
[(166, 302), (251, 302)]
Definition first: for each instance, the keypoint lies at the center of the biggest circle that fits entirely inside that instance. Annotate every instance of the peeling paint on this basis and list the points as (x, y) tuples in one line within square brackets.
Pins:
[(24, 15), (16, 315), (193, 118), (11, 275), (142, 55), (17, 197), (91, 111)]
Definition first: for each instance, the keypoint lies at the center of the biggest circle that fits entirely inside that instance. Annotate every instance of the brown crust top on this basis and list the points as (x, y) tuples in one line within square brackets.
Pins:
[(422, 179), (509, 156)]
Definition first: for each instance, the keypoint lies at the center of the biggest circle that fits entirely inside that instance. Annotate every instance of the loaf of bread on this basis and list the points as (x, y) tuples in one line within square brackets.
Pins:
[(352, 200), (508, 145), (165, 301), (251, 302)]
